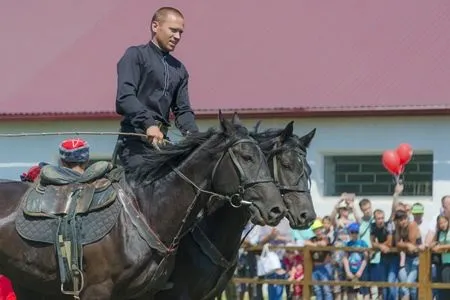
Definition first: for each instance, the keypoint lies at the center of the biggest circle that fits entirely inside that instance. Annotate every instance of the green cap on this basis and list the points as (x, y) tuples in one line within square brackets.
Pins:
[(417, 208)]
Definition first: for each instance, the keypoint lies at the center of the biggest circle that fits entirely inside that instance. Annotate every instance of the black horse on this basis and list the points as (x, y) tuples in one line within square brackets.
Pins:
[(136, 256), (207, 257)]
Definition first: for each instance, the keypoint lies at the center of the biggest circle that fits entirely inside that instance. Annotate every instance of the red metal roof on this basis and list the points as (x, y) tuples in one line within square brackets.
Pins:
[(58, 57)]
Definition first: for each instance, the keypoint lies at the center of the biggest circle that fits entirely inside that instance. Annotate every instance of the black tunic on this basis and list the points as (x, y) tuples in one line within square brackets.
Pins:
[(150, 84)]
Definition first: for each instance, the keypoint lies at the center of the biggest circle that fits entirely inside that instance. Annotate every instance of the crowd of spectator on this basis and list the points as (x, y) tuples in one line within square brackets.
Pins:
[(354, 224)]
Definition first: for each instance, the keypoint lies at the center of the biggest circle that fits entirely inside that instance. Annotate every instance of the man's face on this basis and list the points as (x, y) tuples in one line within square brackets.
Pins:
[(367, 210), (446, 207), (167, 32), (379, 220), (418, 218)]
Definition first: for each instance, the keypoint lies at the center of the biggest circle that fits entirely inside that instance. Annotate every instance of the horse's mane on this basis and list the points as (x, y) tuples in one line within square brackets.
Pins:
[(266, 140), (157, 164)]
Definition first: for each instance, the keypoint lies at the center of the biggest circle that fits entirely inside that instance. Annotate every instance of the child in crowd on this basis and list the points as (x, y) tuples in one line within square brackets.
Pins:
[(355, 262)]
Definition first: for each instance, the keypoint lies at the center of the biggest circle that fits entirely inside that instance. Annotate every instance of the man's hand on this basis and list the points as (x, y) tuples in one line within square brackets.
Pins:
[(154, 134), (384, 248)]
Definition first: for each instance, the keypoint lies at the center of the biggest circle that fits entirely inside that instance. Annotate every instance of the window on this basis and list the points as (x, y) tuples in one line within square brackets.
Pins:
[(366, 176)]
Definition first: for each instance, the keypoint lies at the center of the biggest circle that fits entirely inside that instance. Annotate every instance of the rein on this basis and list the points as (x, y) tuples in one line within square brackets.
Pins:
[(25, 134)]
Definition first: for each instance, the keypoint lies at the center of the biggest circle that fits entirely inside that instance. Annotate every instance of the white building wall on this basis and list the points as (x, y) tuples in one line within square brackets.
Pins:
[(334, 136)]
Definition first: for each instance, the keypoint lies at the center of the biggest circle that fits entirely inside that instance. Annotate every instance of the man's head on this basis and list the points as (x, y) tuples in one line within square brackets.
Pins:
[(366, 208), (74, 153), (445, 202), (167, 27), (417, 211), (378, 215)]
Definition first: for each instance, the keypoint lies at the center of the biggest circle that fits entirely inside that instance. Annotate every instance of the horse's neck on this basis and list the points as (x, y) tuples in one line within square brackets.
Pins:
[(170, 203), (224, 229)]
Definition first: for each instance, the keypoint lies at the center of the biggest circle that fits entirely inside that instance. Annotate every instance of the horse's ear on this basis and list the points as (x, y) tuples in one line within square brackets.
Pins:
[(226, 126), (306, 139), (287, 132), (257, 126), (235, 120)]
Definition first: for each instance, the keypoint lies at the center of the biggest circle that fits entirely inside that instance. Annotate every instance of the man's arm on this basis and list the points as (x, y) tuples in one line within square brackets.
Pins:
[(181, 108), (127, 103)]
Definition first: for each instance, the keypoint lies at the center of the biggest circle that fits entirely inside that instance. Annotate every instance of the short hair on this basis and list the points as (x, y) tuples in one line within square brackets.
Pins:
[(162, 13), (326, 218), (364, 202), (443, 199), (378, 211)]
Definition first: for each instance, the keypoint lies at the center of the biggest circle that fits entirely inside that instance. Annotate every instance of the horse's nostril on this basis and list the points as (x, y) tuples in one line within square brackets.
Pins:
[(304, 215), (276, 211)]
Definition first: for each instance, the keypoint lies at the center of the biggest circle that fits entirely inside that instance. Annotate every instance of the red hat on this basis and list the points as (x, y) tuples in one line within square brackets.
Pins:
[(74, 150)]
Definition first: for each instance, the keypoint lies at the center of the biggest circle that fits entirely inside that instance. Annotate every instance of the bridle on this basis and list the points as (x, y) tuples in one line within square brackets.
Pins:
[(235, 199), (276, 151)]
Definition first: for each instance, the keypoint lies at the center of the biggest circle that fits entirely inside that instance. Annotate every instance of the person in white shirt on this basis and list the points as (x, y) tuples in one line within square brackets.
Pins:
[(417, 210)]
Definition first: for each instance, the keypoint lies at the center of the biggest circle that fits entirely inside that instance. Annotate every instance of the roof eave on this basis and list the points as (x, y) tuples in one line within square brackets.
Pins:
[(250, 113)]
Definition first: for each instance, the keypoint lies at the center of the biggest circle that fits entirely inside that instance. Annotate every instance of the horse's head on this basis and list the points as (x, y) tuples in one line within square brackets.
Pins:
[(242, 173), (286, 154)]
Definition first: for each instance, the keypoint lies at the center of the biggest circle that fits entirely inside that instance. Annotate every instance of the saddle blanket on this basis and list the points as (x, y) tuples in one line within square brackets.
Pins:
[(92, 226)]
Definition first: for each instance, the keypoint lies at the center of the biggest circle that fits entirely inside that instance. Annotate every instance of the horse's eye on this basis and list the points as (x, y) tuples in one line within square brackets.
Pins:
[(285, 164), (247, 157)]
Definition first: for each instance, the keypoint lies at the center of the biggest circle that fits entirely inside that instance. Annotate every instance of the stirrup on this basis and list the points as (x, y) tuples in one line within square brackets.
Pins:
[(76, 292)]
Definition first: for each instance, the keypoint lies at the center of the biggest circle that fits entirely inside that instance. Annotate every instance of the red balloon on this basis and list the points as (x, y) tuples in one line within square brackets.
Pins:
[(405, 153), (391, 162)]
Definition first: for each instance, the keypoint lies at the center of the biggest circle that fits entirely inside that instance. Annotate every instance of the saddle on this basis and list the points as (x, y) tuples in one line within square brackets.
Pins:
[(69, 210)]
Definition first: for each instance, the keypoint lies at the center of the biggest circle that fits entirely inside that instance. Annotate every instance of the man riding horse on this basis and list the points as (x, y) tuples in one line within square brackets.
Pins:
[(151, 82)]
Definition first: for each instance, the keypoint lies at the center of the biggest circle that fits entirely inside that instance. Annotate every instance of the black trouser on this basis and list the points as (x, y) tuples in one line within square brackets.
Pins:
[(131, 151), (247, 268)]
